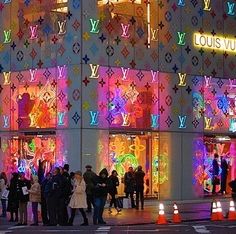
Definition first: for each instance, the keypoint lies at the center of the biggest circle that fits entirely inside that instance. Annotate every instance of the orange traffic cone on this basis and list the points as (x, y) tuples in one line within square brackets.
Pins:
[(176, 215), (161, 217), (219, 211), (232, 212), (214, 216)]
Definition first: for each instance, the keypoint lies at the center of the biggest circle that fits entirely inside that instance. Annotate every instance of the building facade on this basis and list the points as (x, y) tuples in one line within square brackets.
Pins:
[(115, 83)]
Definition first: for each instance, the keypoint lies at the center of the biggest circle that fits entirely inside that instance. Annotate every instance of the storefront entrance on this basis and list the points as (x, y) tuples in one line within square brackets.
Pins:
[(133, 149), (225, 147)]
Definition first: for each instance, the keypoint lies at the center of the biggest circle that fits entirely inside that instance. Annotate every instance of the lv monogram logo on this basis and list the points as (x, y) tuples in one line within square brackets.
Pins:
[(61, 116), (125, 72), (208, 123), (154, 75), (182, 121), (94, 71), (182, 79), (33, 31), (231, 8), (7, 36), (125, 30), (154, 34), (181, 37), (181, 3), (7, 76), (94, 26), (6, 121), (207, 81), (61, 71), (207, 4), (62, 27), (32, 75), (125, 118), (155, 121), (94, 118)]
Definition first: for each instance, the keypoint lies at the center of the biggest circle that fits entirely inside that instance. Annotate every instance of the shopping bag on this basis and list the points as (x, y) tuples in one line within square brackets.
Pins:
[(126, 203), (5, 194)]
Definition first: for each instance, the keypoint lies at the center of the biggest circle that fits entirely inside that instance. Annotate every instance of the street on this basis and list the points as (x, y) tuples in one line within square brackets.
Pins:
[(186, 227)]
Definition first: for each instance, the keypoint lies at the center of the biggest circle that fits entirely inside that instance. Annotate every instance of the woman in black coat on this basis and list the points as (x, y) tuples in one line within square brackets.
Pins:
[(13, 201), (113, 183)]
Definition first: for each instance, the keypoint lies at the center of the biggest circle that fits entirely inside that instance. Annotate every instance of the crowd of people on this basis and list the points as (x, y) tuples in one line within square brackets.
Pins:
[(60, 191)]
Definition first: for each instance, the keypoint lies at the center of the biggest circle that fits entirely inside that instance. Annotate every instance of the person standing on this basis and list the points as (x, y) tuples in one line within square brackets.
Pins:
[(13, 200), (64, 200), (215, 172), (224, 174), (100, 196), (35, 198), (139, 183), (89, 177), (3, 188), (23, 195), (44, 196), (232, 185), (113, 183), (78, 199), (54, 189), (129, 182)]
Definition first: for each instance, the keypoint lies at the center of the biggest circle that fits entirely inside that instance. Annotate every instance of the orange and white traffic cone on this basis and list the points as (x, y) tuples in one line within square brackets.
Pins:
[(176, 215), (232, 212), (214, 216), (161, 216), (219, 211)]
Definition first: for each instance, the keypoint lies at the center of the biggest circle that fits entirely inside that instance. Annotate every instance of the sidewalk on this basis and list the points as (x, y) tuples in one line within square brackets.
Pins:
[(189, 210)]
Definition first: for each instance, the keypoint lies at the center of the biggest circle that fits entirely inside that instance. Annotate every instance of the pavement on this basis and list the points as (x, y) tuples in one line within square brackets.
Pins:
[(199, 210)]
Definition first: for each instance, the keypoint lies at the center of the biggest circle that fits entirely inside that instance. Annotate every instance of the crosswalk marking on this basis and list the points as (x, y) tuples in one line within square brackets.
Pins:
[(201, 229)]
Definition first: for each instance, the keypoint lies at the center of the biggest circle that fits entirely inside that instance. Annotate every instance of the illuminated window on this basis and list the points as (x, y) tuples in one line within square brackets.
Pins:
[(120, 13)]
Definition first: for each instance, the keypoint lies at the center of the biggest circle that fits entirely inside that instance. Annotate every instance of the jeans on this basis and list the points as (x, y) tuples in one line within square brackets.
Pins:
[(4, 207), (99, 203), (23, 212), (35, 211)]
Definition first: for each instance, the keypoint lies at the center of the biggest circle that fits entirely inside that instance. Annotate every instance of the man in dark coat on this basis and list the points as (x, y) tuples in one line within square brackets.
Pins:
[(215, 172), (139, 182), (129, 182), (13, 202), (54, 189), (23, 185), (224, 174), (44, 210), (100, 196), (89, 177), (113, 184)]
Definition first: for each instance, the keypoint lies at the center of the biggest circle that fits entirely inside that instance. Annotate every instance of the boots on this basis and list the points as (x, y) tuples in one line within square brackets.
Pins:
[(85, 223), (118, 210)]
